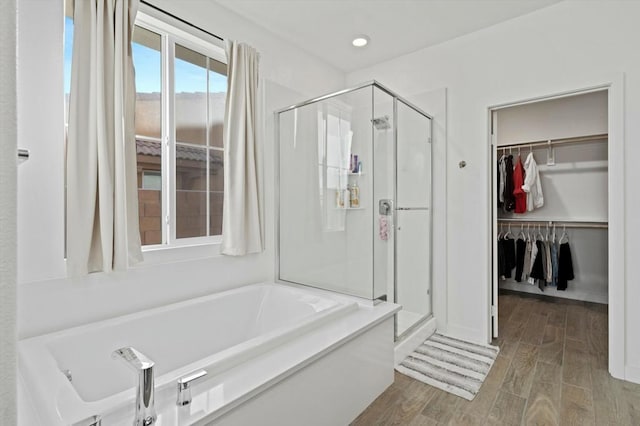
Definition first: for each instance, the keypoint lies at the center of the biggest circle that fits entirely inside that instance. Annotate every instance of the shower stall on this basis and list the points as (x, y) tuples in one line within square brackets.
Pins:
[(354, 198)]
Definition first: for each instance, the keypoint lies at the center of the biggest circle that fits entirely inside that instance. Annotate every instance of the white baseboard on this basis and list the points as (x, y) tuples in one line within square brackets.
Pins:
[(413, 340), (471, 335), (571, 293), (632, 374)]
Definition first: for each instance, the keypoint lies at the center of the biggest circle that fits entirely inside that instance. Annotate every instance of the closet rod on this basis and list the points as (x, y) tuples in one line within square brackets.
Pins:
[(578, 139), (563, 223)]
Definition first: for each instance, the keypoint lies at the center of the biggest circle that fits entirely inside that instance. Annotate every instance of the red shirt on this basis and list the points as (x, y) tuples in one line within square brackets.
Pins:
[(518, 181)]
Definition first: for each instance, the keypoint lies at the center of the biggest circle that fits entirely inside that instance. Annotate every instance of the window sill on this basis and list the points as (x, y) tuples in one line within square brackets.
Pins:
[(156, 255)]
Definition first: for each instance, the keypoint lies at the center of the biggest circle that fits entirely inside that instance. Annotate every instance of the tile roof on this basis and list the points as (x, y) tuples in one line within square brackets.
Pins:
[(183, 152)]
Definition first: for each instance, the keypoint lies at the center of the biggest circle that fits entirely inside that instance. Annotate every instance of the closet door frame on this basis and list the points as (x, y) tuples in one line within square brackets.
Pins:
[(614, 85)]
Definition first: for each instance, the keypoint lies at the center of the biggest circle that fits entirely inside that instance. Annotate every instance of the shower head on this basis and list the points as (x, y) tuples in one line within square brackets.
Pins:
[(381, 123)]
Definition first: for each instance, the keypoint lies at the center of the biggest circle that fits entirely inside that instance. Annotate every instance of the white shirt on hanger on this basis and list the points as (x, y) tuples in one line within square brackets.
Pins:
[(532, 185)]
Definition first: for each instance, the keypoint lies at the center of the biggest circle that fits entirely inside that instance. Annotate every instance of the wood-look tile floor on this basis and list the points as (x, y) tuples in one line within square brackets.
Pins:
[(551, 370)]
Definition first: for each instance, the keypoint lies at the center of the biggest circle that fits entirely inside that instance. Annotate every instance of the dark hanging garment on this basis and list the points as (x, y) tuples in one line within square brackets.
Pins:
[(509, 256), (498, 191), (509, 198), (541, 282), (537, 271), (565, 266), (501, 266), (521, 247)]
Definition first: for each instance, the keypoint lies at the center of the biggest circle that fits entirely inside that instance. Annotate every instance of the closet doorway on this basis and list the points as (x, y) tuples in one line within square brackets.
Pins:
[(551, 208)]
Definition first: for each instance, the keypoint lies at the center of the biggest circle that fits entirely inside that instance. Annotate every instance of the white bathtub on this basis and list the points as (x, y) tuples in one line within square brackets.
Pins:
[(216, 333)]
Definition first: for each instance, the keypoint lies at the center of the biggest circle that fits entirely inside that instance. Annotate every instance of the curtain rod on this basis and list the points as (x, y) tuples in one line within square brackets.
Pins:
[(180, 19), (563, 223), (548, 142)]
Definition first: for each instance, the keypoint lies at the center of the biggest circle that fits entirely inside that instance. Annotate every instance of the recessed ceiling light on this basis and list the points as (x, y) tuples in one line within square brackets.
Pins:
[(360, 41)]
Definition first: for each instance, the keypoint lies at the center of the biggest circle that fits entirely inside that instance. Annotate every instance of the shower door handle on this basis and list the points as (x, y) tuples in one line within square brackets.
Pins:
[(385, 207)]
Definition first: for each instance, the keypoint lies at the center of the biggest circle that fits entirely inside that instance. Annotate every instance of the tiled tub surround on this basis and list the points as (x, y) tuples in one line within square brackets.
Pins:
[(247, 339)]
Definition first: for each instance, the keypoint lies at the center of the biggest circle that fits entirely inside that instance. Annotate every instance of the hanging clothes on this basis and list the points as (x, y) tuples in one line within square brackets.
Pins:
[(536, 263), (501, 179), (565, 266), (500, 183), (509, 199), (532, 185), (521, 248), (549, 275), (554, 263), (501, 260), (545, 266), (509, 256), (518, 193), (526, 268)]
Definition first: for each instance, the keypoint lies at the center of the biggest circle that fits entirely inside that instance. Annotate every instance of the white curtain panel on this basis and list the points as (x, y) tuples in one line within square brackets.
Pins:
[(242, 227), (102, 205)]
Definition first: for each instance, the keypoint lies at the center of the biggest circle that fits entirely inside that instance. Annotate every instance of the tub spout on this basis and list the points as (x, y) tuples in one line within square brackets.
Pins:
[(143, 366)]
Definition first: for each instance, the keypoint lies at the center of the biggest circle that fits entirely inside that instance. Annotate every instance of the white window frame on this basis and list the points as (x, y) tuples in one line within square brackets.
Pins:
[(171, 34)]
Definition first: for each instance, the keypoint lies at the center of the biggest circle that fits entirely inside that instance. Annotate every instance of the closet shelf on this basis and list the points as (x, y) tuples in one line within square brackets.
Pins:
[(561, 141)]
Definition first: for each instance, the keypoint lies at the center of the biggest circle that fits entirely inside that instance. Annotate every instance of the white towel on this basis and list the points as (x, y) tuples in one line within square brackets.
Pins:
[(383, 227)]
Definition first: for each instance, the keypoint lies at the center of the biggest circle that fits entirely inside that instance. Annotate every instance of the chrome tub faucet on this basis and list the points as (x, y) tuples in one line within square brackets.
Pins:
[(145, 411)]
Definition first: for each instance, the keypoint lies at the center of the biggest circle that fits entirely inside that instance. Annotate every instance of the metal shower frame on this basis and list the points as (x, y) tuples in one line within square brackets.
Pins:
[(396, 98)]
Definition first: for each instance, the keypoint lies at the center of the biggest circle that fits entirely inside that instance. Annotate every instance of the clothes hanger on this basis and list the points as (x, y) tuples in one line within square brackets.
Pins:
[(508, 232), (522, 234), (564, 234), (553, 235), (528, 232), (540, 236)]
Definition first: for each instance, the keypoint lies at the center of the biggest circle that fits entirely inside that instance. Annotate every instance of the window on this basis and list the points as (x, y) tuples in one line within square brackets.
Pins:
[(152, 180), (181, 88)]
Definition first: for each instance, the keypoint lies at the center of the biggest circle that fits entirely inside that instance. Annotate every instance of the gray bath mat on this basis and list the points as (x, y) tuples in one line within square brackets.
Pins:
[(453, 365)]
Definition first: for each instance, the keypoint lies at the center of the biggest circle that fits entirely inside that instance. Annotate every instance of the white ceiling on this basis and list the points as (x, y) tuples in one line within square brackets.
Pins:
[(396, 27)]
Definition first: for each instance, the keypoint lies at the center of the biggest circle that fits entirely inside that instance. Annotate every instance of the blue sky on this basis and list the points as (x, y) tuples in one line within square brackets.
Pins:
[(147, 64)]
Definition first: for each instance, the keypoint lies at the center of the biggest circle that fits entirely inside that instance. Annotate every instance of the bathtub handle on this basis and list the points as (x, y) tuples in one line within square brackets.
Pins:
[(184, 387)]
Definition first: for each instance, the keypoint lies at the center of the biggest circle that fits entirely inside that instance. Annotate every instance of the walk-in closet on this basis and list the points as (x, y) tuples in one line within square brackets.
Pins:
[(550, 198)]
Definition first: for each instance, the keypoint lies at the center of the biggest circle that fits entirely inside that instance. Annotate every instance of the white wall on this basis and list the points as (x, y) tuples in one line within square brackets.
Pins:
[(8, 212), (47, 300), (567, 46)]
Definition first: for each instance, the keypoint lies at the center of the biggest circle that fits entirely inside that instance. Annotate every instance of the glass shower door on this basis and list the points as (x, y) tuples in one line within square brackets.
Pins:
[(325, 197), (413, 217)]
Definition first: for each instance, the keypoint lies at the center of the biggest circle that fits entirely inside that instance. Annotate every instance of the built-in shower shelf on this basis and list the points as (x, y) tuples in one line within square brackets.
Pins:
[(341, 170)]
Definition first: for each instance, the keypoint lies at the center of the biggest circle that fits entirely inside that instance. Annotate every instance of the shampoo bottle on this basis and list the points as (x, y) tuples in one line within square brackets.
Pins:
[(354, 195)]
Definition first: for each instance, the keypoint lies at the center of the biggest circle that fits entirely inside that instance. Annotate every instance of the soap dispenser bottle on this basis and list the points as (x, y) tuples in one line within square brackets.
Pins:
[(354, 196)]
